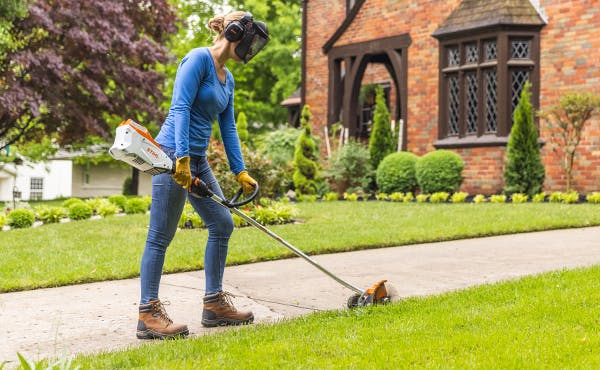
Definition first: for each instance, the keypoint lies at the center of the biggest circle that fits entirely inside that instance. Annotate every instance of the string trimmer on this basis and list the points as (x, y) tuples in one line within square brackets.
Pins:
[(134, 145)]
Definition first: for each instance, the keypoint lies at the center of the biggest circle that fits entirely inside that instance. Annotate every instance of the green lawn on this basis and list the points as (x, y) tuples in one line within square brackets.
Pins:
[(548, 322), (110, 248)]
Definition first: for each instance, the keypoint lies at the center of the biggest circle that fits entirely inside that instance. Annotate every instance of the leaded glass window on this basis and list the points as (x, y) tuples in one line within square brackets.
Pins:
[(453, 56), (471, 53), (491, 50), (453, 94), (519, 49), (519, 77), (491, 100), (471, 84)]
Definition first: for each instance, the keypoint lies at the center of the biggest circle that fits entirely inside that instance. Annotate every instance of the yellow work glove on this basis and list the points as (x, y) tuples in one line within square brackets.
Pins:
[(247, 182), (183, 174)]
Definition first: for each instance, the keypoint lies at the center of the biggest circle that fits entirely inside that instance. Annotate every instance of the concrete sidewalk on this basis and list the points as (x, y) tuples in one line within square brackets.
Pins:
[(102, 316)]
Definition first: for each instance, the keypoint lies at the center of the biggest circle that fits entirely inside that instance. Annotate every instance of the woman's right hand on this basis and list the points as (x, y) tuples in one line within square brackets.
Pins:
[(183, 174)]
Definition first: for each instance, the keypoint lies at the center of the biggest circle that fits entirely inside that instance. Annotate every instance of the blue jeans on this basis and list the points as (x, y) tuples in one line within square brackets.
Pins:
[(168, 199)]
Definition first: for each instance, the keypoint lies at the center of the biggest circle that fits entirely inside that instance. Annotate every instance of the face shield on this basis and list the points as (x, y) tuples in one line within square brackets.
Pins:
[(256, 36)]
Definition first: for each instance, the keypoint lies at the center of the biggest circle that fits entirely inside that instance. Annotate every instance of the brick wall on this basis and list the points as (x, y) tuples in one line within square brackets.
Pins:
[(570, 60)]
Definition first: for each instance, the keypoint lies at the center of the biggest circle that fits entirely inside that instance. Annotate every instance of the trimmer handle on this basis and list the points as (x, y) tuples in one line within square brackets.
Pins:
[(200, 189)]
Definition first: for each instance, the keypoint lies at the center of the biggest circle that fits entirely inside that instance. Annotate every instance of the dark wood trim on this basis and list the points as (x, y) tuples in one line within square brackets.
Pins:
[(371, 47), (343, 27)]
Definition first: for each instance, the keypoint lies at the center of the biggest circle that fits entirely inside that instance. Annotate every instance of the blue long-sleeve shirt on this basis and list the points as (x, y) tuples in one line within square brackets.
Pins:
[(198, 98)]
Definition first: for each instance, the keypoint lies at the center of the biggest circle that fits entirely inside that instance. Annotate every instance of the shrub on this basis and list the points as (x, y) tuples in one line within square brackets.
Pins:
[(555, 197), (459, 197), (79, 211), (136, 205), (95, 203), (189, 218), (306, 174), (422, 198), (397, 196), (352, 197), (2, 221), (242, 127), (350, 168), (440, 170), (279, 145), (519, 198), (307, 198), (524, 172), (570, 197), (498, 198), (439, 197), (21, 218), (381, 141), (408, 197), (539, 198), (396, 172), (593, 197), (331, 196), (479, 198), (67, 203), (118, 200), (128, 186), (49, 215), (107, 209), (381, 196), (273, 214)]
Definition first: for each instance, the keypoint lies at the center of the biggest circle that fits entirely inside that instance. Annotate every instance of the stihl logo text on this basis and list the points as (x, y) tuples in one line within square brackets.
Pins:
[(152, 152)]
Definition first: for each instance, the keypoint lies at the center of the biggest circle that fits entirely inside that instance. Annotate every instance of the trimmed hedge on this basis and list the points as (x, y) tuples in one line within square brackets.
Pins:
[(21, 218), (439, 171), (396, 173)]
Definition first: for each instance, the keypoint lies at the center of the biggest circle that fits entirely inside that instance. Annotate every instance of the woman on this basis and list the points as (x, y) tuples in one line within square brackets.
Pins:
[(203, 92)]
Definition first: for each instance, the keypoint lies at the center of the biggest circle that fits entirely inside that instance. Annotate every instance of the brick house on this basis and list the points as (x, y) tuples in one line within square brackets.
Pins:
[(453, 71)]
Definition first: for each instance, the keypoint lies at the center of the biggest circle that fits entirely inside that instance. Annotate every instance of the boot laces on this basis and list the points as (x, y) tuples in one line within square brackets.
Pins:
[(226, 300), (159, 308)]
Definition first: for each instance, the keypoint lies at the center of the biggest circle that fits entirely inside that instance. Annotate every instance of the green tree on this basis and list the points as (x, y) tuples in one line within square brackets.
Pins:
[(242, 128), (305, 157), (569, 117), (524, 171), (381, 142)]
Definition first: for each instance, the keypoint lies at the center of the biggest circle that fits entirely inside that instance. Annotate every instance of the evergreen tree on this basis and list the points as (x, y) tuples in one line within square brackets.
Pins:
[(242, 128), (382, 141), (524, 171), (305, 157)]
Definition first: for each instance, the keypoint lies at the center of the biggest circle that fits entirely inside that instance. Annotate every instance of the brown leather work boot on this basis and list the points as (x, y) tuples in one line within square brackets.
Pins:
[(154, 323), (219, 311)]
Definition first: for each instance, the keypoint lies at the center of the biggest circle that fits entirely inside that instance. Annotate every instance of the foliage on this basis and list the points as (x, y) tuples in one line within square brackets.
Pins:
[(350, 168), (63, 364), (382, 196), (524, 171), (136, 205), (422, 198), (539, 198), (107, 208), (20, 218), (242, 128), (79, 211), (279, 145), (439, 197), (69, 202), (396, 172), (78, 65), (49, 215), (569, 117), (479, 198), (189, 218), (381, 142), (352, 197), (2, 220), (270, 179), (397, 196), (519, 198), (440, 170), (331, 196), (498, 198), (593, 197), (306, 155), (118, 200), (564, 197), (408, 197), (459, 197), (128, 186)]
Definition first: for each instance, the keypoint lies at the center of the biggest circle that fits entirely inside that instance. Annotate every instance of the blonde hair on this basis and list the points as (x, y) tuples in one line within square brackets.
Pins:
[(218, 23)]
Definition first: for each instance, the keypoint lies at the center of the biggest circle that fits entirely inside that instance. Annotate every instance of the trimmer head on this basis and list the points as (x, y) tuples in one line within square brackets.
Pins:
[(380, 293)]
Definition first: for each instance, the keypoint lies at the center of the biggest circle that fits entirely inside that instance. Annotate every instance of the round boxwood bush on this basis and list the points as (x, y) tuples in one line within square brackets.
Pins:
[(80, 211), (136, 205), (396, 173), (438, 171), (119, 200), (69, 202), (21, 218)]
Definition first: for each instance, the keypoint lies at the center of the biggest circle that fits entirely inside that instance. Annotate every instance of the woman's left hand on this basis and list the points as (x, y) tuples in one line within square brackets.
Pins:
[(247, 182)]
